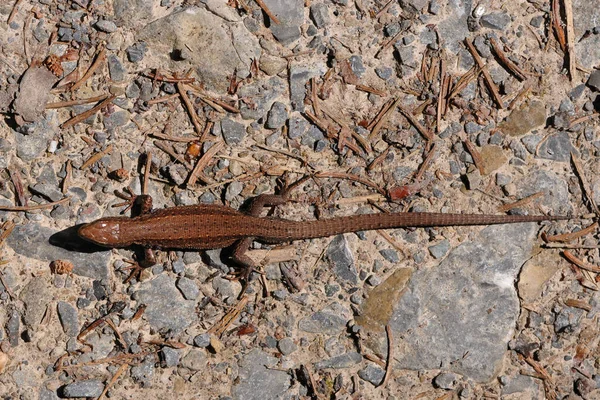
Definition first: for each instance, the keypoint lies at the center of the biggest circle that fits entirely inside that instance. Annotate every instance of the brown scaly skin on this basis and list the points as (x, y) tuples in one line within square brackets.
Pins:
[(202, 227)]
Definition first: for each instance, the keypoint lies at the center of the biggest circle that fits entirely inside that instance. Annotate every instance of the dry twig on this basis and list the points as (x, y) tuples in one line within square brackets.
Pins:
[(96, 157), (99, 58), (488, 78), (84, 115)]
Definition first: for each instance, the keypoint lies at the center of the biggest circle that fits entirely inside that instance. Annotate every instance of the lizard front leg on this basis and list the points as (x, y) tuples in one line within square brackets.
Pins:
[(139, 205)]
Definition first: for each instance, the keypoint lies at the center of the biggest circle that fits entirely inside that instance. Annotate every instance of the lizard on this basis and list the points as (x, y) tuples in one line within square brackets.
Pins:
[(211, 226)]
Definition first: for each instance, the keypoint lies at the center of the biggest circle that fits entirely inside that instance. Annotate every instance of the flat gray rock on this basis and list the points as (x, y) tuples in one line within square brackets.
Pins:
[(330, 320), (31, 240), (466, 305), (165, 306), (214, 46), (258, 381), (586, 15)]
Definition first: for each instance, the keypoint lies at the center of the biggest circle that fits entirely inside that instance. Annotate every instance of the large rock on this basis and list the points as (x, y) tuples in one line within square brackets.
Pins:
[(466, 305), (214, 46), (586, 15), (165, 306)]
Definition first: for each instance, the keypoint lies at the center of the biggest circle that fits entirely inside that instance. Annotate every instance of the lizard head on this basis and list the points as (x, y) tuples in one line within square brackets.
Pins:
[(104, 232)]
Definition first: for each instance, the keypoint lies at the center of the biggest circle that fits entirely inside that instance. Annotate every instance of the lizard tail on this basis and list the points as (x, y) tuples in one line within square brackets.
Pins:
[(292, 230)]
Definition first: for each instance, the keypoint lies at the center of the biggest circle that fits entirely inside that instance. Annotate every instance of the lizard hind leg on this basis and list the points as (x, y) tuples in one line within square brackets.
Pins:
[(271, 200), (248, 266)]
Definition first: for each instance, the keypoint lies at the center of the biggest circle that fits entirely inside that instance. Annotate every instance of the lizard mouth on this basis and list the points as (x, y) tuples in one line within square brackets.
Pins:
[(103, 232)]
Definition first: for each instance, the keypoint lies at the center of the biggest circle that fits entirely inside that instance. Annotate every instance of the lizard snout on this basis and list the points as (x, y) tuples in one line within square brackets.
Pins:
[(104, 232)]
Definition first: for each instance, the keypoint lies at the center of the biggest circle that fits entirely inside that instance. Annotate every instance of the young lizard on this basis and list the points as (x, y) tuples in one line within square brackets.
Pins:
[(203, 227)]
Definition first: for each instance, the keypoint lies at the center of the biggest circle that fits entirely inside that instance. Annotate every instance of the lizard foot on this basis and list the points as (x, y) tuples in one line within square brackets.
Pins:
[(129, 198), (135, 268)]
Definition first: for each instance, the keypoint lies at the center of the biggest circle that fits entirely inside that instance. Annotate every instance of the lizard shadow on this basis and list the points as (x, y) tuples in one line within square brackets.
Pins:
[(68, 239)]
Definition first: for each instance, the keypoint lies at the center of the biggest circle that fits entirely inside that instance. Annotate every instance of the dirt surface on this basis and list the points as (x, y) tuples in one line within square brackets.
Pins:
[(410, 105)]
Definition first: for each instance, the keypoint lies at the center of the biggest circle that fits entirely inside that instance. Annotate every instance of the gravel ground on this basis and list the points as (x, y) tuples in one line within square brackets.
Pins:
[(405, 105)]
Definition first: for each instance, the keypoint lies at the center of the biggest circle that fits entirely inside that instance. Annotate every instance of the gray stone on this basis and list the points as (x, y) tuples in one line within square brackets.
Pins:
[(47, 190), (594, 80), (258, 97), (33, 145), (195, 360), (277, 116), (69, 318), (216, 47), (143, 372), (46, 394), (330, 289), (330, 320), (115, 68), (136, 52), (556, 193), (440, 249), (415, 6), (384, 73), (213, 259), (531, 142), (13, 327), (406, 54), (445, 381), (557, 147), (225, 287), (233, 132), (286, 34), (170, 356), (165, 307), (256, 371), (313, 136), (390, 255), (188, 288), (454, 28), (537, 21), (233, 190), (31, 240), (586, 15), (202, 340), (116, 119), (132, 12), (519, 384), (319, 13), (567, 319), (286, 346), (291, 15), (357, 66), (341, 259), (470, 292), (87, 388), (498, 21), (374, 280), (372, 374), (342, 361), (300, 73), (297, 126), (178, 266), (106, 26)]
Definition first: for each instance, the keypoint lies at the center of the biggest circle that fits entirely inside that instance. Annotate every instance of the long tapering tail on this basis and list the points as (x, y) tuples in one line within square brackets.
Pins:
[(292, 230)]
